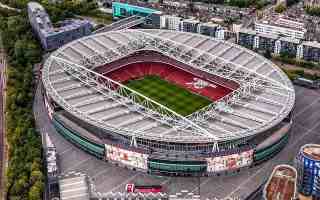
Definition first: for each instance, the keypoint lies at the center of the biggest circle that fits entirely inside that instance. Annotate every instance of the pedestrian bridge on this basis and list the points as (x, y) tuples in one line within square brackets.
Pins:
[(125, 23)]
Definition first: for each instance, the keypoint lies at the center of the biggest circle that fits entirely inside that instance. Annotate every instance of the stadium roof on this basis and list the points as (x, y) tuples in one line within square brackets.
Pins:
[(264, 98)]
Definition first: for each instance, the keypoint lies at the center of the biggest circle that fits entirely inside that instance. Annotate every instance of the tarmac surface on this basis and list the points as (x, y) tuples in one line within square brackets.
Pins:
[(2, 139), (108, 177)]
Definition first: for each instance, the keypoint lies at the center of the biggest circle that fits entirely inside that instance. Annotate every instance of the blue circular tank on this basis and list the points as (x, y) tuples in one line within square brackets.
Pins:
[(308, 168), (316, 183)]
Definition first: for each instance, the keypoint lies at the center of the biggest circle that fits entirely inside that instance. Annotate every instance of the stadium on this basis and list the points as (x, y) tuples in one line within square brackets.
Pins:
[(168, 102)]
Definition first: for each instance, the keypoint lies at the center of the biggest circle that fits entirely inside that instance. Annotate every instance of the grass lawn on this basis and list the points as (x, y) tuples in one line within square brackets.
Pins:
[(170, 95)]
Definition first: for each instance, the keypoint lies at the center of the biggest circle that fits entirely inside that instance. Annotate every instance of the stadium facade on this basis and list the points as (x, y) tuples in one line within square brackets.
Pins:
[(247, 121)]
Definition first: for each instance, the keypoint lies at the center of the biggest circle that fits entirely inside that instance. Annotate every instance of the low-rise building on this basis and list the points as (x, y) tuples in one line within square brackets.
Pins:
[(170, 22), (247, 38), (54, 37), (311, 51), (208, 28), (281, 26), (190, 25), (289, 46), (193, 25), (269, 42), (266, 42)]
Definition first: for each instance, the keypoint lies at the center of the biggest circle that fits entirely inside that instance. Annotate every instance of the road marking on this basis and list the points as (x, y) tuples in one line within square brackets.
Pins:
[(306, 133), (299, 92), (68, 149), (249, 179), (165, 181), (76, 165), (124, 182), (267, 164), (102, 172), (201, 184), (307, 107)]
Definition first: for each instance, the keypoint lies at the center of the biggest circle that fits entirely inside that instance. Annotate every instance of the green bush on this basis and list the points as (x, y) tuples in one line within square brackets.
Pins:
[(293, 73), (297, 62), (247, 3), (312, 11)]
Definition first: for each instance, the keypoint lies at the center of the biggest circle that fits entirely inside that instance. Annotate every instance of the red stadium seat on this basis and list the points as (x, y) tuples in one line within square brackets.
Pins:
[(183, 76)]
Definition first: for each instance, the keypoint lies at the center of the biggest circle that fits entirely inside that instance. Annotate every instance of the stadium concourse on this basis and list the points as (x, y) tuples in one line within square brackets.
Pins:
[(92, 94)]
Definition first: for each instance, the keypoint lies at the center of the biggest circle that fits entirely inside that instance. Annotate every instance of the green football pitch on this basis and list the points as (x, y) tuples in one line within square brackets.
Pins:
[(168, 94)]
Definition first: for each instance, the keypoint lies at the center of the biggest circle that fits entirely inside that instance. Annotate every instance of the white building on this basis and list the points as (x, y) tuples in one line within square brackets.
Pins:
[(220, 33), (236, 27), (281, 26), (277, 47), (170, 22), (284, 2), (300, 51)]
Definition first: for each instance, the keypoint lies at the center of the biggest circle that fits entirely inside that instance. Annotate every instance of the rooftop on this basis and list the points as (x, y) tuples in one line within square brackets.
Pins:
[(65, 25), (191, 20), (45, 24), (312, 151), (285, 22), (210, 24), (288, 39), (311, 44), (281, 184), (128, 6), (40, 15), (274, 36), (248, 31)]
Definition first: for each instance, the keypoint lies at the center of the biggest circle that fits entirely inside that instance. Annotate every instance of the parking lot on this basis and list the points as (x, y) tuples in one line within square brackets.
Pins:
[(108, 177)]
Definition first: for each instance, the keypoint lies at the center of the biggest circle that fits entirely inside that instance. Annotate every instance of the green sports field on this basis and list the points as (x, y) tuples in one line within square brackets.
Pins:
[(170, 95)]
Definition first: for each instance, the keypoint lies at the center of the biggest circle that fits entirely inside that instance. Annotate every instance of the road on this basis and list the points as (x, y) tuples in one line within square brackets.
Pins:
[(108, 177), (8, 7), (2, 133)]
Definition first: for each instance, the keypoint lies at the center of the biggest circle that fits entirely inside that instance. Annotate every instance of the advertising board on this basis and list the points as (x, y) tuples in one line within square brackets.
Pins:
[(230, 162), (126, 157), (49, 108)]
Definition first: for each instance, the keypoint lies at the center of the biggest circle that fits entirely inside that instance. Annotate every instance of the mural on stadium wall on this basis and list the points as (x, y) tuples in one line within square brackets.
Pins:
[(229, 162), (129, 158)]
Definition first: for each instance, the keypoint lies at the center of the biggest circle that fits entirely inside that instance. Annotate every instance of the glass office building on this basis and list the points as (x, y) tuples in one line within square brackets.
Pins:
[(122, 10)]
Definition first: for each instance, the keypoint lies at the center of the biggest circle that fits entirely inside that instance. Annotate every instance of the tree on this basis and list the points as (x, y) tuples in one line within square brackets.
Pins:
[(24, 173), (267, 54), (35, 192), (313, 11), (280, 8)]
